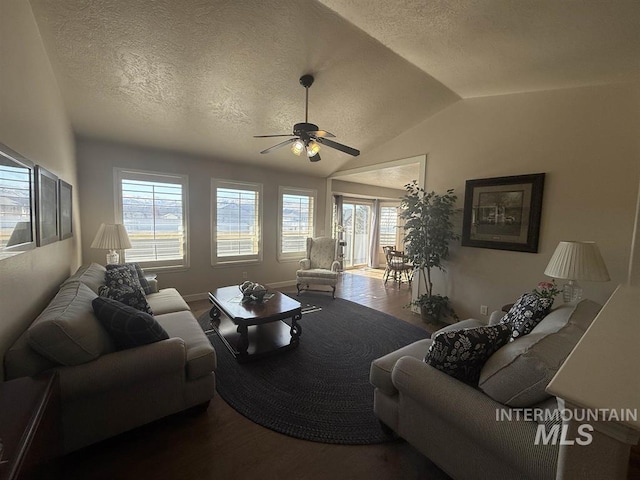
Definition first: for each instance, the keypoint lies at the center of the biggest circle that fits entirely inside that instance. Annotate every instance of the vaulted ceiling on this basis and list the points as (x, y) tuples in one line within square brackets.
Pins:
[(204, 76)]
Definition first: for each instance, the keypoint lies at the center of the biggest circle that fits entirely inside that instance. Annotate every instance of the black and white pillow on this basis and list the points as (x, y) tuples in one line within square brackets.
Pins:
[(462, 353), (526, 313), (118, 275), (127, 326), (128, 295)]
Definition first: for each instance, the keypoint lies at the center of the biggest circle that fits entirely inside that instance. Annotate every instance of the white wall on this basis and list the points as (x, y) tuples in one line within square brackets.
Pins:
[(586, 140), (96, 161), (33, 123)]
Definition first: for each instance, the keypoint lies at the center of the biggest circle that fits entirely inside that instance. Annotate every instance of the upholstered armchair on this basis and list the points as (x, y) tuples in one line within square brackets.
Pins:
[(321, 265)]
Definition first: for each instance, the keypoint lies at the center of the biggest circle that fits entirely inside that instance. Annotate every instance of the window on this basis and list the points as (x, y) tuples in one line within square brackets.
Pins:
[(153, 209), (296, 222), (388, 226), (236, 222)]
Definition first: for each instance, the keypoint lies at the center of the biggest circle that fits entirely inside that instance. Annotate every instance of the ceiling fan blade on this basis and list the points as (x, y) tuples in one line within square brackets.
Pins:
[(315, 158), (279, 145), (339, 146), (270, 136), (322, 133)]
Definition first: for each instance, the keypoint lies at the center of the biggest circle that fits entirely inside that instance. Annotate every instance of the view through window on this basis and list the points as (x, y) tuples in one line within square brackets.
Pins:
[(153, 212), (296, 220)]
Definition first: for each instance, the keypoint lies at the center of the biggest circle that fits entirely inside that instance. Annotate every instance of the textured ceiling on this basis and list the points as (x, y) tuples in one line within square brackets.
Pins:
[(493, 47), (204, 76)]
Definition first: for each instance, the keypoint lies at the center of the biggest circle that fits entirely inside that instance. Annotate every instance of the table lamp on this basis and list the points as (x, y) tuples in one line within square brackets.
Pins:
[(575, 261), (112, 237)]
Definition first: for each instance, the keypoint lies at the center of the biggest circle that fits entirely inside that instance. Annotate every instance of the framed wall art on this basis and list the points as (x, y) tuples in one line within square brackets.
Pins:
[(17, 208), (46, 206), (65, 210), (503, 213)]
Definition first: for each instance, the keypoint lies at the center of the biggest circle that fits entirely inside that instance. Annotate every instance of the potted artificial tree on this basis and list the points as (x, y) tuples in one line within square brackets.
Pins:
[(428, 231)]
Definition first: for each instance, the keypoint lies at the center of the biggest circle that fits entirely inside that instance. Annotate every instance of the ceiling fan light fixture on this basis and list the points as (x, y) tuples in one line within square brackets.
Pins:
[(297, 147), (312, 149)]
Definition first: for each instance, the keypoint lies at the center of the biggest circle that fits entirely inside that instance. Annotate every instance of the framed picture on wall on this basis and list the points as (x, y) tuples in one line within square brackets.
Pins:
[(46, 206), (503, 212), (65, 210)]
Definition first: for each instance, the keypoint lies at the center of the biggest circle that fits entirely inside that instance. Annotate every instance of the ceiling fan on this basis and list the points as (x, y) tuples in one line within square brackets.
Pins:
[(306, 137)]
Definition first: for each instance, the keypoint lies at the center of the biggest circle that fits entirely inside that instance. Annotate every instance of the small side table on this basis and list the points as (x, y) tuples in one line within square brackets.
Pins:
[(30, 427)]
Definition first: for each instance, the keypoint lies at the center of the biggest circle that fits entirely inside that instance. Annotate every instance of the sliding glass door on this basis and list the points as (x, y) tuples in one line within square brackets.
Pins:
[(356, 222)]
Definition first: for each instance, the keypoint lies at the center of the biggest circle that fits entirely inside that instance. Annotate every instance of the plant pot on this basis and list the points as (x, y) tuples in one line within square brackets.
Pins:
[(427, 317)]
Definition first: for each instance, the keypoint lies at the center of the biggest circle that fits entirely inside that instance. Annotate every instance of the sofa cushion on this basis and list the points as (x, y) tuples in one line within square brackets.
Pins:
[(526, 313), (128, 295), (462, 353), (518, 373), (201, 357), (127, 326), (381, 368), (67, 331), (167, 300), (91, 275)]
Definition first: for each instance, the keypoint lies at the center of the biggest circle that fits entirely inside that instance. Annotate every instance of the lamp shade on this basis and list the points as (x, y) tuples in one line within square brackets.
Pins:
[(111, 237), (577, 261)]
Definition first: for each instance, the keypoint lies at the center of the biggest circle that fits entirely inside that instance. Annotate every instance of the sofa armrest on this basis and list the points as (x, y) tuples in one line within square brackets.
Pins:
[(496, 316), (468, 323), (153, 285), (305, 264), (435, 389), (125, 367)]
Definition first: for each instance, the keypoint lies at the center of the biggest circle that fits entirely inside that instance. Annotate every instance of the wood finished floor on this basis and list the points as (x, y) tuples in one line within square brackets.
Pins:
[(222, 444)]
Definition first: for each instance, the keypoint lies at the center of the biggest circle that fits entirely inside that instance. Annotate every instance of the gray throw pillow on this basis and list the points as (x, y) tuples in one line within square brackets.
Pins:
[(127, 326), (462, 353)]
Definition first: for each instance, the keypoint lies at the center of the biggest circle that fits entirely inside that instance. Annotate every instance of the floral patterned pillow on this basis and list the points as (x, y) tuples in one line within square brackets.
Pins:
[(526, 313), (134, 297), (462, 353), (136, 272)]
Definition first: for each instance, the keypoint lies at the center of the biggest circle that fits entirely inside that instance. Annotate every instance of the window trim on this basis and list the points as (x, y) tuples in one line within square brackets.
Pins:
[(154, 176), (238, 259), (283, 190)]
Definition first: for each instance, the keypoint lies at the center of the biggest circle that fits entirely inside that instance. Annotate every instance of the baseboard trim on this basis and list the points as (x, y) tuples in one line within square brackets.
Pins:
[(287, 283), (195, 297)]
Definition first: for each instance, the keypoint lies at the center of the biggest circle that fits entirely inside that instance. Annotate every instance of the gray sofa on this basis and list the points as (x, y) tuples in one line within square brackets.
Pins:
[(454, 424), (104, 391)]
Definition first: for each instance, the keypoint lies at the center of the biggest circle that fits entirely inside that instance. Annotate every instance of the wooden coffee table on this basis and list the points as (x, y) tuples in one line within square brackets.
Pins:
[(253, 329)]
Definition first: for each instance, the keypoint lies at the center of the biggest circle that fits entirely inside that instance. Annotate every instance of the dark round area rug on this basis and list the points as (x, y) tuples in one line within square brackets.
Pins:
[(319, 391)]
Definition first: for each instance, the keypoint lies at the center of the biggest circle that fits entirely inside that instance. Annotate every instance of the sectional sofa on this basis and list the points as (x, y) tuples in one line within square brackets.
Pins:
[(105, 391)]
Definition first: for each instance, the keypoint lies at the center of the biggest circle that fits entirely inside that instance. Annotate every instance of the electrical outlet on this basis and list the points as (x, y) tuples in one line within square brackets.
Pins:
[(244, 275), (484, 310)]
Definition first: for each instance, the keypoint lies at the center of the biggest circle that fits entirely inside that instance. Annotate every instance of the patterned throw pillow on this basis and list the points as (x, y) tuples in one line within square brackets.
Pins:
[(462, 353), (118, 275), (127, 326), (137, 274), (131, 296), (141, 278), (526, 313)]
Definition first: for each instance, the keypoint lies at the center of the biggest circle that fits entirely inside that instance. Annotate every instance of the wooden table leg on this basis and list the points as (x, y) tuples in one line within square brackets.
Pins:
[(296, 328)]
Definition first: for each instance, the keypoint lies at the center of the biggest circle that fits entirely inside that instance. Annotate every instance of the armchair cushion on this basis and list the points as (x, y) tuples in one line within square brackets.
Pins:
[(462, 353), (127, 326), (321, 252)]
